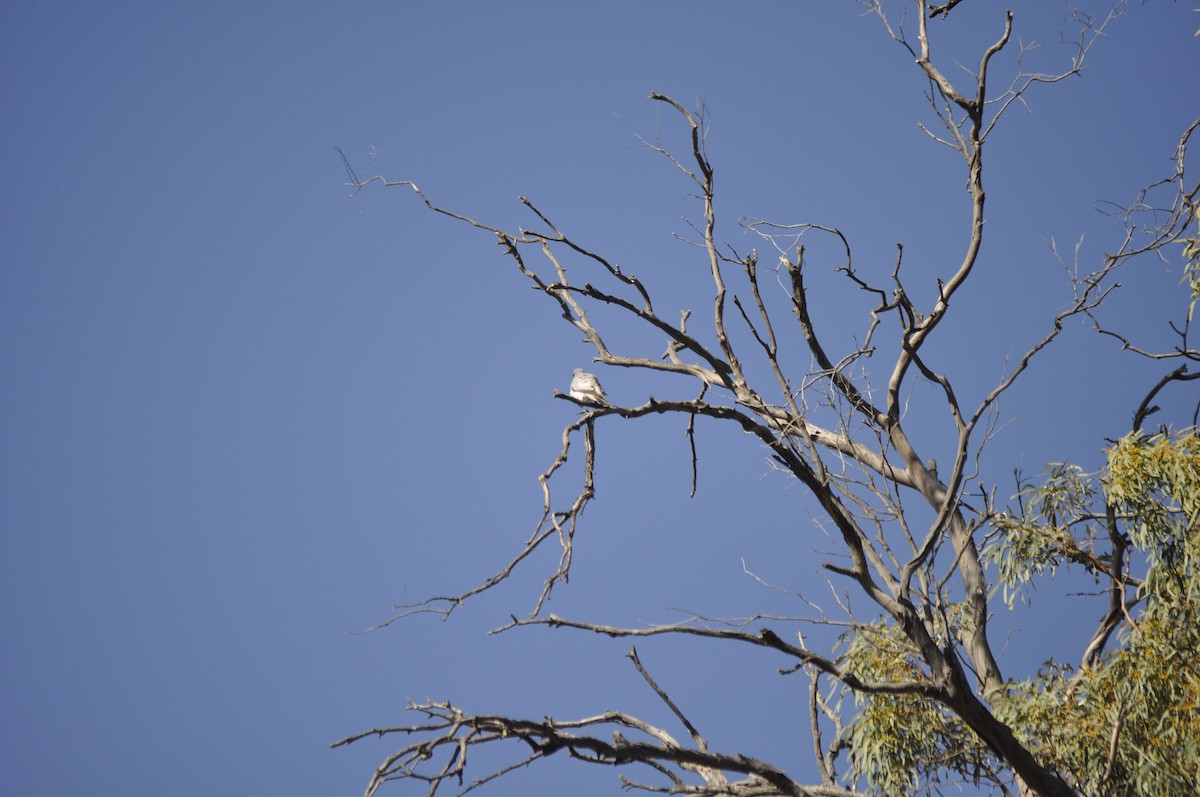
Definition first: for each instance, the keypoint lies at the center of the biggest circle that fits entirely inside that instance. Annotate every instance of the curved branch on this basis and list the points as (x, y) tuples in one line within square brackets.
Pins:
[(453, 734), (765, 638)]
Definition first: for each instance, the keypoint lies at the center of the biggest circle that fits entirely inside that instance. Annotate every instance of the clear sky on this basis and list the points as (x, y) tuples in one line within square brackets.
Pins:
[(242, 415)]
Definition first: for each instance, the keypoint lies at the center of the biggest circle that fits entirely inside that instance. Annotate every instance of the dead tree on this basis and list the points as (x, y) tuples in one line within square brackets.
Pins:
[(838, 428)]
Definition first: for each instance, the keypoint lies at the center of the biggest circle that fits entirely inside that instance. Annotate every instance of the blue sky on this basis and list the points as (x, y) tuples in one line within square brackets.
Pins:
[(243, 415)]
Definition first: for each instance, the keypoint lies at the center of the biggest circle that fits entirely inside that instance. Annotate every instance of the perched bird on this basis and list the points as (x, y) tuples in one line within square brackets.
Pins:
[(585, 387)]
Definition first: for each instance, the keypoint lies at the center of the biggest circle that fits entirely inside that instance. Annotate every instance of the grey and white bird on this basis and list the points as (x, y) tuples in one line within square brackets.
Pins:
[(585, 387)]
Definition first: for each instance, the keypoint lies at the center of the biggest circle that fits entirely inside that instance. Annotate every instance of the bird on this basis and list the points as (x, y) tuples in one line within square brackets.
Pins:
[(585, 387)]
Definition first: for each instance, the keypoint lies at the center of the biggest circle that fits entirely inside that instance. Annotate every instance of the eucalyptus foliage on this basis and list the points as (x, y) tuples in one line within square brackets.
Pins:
[(1127, 724)]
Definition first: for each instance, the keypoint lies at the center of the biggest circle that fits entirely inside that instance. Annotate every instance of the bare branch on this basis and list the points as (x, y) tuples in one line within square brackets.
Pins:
[(452, 734)]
